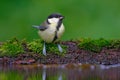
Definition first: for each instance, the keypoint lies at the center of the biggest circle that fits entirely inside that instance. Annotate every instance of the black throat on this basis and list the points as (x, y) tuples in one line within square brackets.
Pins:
[(59, 25), (48, 22), (57, 29)]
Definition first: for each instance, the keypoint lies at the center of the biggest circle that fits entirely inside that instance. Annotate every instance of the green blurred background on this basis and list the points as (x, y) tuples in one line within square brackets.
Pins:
[(83, 18)]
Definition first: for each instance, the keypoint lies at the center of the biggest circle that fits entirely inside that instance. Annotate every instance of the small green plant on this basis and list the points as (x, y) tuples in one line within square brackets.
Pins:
[(11, 48), (94, 45)]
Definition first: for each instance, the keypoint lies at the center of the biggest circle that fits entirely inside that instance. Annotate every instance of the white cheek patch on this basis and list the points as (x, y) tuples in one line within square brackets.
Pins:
[(53, 20)]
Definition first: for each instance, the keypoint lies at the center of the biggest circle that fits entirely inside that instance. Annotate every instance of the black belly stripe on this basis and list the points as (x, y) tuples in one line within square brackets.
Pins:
[(57, 29), (55, 37)]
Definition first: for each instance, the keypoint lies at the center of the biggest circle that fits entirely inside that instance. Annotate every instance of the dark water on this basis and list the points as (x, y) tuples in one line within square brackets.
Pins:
[(60, 72)]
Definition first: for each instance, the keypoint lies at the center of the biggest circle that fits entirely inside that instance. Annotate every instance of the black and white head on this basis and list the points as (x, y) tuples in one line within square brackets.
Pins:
[(55, 18)]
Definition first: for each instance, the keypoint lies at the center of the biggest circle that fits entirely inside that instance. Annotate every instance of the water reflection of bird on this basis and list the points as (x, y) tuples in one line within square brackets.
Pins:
[(51, 30)]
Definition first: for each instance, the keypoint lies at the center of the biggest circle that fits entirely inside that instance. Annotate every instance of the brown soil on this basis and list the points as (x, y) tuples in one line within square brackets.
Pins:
[(73, 55)]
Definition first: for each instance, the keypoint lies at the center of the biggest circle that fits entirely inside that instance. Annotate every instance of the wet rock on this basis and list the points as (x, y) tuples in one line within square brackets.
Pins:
[(28, 61)]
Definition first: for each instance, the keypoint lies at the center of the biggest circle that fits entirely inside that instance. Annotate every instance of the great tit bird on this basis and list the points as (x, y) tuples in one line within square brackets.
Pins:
[(51, 30)]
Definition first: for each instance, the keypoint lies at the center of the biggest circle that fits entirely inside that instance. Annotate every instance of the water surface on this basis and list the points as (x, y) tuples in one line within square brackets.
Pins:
[(60, 72)]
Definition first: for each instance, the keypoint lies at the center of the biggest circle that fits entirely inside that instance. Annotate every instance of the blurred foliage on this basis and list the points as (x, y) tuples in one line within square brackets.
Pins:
[(39, 77), (98, 44), (83, 18), (35, 75), (11, 75)]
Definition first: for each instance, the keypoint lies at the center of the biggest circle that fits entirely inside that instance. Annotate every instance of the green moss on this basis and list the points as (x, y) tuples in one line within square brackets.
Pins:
[(37, 46), (115, 44), (11, 48), (53, 48), (14, 47), (94, 45)]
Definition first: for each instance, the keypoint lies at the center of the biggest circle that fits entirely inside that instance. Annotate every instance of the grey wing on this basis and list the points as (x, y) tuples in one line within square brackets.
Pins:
[(42, 27)]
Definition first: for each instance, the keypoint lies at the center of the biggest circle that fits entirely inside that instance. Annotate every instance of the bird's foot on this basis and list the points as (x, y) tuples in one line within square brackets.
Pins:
[(44, 49), (60, 48)]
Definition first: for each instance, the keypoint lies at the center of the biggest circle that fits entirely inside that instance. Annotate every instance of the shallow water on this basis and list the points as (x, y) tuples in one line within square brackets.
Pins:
[(59, 72)]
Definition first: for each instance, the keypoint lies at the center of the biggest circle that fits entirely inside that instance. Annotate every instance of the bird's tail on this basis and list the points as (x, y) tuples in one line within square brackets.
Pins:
[(34, 26)]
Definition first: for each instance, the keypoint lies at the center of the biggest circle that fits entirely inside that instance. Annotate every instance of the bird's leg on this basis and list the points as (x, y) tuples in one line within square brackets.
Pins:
[(44, 49), (60, 77), (44, 75), (60, 48)]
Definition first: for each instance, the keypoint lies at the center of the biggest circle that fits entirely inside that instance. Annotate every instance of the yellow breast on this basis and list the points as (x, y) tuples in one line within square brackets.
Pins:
[(48, 34)]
